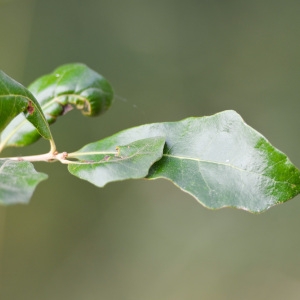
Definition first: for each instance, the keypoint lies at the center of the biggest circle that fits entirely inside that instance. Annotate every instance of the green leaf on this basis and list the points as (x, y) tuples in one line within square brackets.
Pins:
[(14, 99), (18, 179), (220, 161), (71, 85), (10, 105), (102, 162)]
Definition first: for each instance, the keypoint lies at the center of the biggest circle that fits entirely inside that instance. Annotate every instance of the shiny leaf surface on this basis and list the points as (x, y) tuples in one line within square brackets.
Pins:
[(103, 162), (72, 85), (18, 180), (15, 99), (221, 161)]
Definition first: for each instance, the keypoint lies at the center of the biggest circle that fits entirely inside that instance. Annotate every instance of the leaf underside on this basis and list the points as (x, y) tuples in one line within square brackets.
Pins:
[(18, 180), (101, 163), (219, 160)]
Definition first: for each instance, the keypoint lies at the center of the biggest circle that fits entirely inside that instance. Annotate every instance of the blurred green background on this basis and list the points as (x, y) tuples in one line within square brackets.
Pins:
[(140, 240)]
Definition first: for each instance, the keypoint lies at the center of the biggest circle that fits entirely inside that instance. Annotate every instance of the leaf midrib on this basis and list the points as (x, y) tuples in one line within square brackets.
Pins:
[(226, 165)]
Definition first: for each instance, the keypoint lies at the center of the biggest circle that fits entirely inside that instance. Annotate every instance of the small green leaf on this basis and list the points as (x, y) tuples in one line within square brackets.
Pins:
[(221, 161), (14, 99), (102, 162), (71, 85), (10, 104), (18, 179)]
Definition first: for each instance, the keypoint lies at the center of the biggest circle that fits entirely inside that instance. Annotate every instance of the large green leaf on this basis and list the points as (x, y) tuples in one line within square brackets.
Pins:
[(102, 162), (15, 99), (71, 85), (18, 179), (219, 160)]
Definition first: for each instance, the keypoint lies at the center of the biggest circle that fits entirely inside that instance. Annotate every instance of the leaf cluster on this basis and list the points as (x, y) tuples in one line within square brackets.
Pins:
[(219, 159)]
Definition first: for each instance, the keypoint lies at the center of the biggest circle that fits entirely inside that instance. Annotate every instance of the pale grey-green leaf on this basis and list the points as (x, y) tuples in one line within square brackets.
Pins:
[(18, 180), (101, 162)]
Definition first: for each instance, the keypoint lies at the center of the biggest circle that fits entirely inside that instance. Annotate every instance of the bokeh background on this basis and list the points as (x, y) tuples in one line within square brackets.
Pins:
[(140, 240)]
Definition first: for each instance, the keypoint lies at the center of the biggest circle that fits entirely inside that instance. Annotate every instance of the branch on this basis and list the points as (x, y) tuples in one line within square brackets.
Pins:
[(47, 157)]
